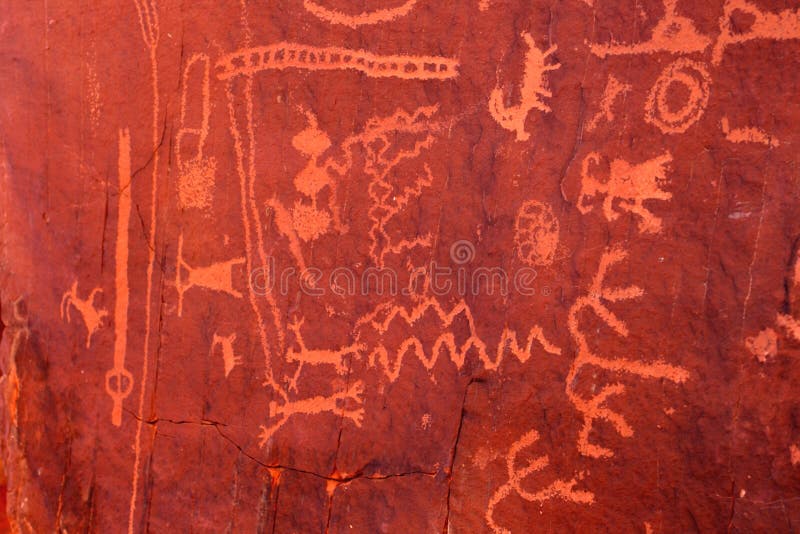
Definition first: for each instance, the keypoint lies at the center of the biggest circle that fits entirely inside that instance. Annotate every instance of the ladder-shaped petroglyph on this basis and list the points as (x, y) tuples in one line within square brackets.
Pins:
[(694, 77), (118, 380), (348, 404), (533, 90), (558, 489), (229, 357), (613, 90), (390, 362), (215, 277), (673, 33), (628, 186), (306, 356), (536, 233), (747, 134), (593, 409), (365, 18), (196, 173), (780, 26), (91, 314), (285, 55)]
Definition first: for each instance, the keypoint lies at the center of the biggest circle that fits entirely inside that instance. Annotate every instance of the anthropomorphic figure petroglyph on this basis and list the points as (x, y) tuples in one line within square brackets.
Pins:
[(91, 314), (216, 276), (627, 187)]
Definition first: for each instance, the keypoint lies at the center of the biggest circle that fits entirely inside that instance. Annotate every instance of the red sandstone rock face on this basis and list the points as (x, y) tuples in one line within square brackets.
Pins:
[(386, 266)]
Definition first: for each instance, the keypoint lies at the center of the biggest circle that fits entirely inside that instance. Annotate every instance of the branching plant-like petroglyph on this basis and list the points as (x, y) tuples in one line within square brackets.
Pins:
[(559, 489), (778, 26), (533, 90), (536, 233), (91, 314), (593, 409), (673, 33), (215, 277), (628, 186), (375, 16), (282, 56), (694, 77)]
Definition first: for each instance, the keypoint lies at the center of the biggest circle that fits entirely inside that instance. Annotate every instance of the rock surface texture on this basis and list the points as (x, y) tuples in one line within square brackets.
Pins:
[(400, 265)]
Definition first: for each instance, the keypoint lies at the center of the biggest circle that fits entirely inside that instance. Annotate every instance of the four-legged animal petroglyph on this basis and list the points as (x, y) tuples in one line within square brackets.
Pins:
[(229, 357), (375, 16), (559, 489), (317, 356), (216, 277), (673, 33), (92, 316), (778, 26), (281, 56), (532, 91), (347, 404), (594, 409), (627, 187), (694, 77)]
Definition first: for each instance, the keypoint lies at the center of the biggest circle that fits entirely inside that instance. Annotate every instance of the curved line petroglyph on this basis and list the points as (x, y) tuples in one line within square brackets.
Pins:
[(364, 18)]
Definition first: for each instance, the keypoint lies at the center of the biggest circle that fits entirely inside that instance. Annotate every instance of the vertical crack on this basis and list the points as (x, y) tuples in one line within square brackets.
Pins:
[(446, 526)]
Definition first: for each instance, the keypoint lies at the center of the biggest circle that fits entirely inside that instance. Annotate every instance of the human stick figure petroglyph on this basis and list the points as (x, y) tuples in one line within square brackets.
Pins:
[(594, 409), (559, 489), (196, 178), (780, 26), (119, 381), (348, 404), (694, 77), (229, 357), (91, 314), (216, 276), (673, 33), (532, 91), (626, 189), (285, 55), (375, 16), (384, 316)]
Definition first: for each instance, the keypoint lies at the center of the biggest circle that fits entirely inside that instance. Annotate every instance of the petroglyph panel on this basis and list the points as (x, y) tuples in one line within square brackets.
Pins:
[(400, 265)]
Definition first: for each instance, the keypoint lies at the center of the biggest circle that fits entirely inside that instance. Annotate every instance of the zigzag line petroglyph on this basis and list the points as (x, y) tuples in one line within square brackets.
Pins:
[(560, 489), (385, 314), (376, 16), (119, 381), (284, 55), (593, 409)]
